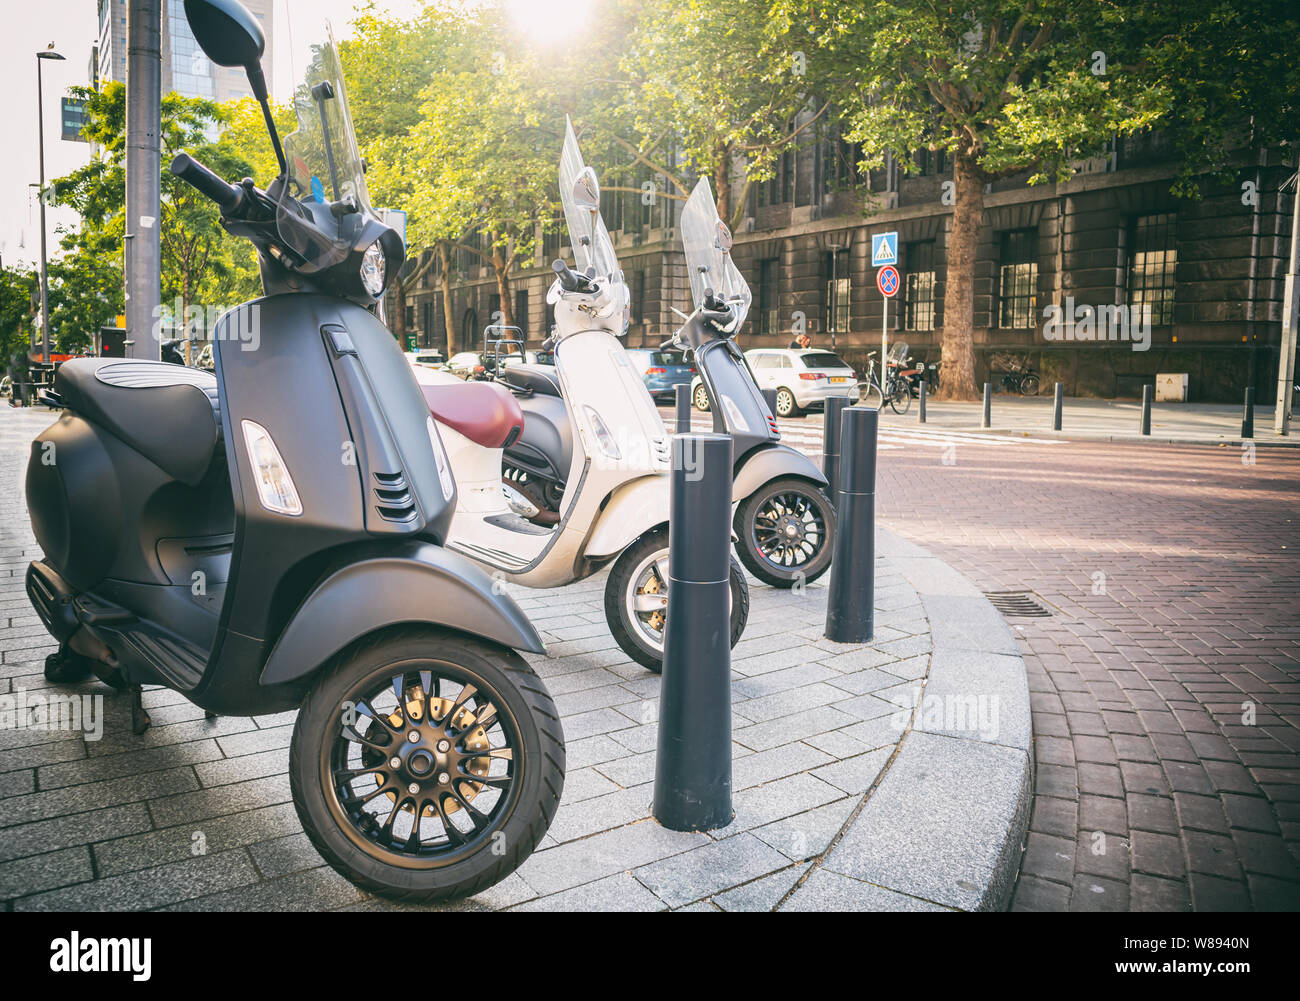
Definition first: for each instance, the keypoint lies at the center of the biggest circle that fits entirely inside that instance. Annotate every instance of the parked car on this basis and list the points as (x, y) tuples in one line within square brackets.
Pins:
[(466, 365), (802, 378), (426, 356), (661, 371)]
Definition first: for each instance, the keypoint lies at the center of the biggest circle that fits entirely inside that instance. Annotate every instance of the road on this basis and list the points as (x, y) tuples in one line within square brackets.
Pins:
[(1166, 678)]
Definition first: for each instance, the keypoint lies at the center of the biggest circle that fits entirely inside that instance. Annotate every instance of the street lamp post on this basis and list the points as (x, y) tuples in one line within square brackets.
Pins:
[(48, 53)]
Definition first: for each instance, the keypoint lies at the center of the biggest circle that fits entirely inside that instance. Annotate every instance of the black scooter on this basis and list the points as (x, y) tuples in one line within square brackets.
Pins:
[(270, 537)]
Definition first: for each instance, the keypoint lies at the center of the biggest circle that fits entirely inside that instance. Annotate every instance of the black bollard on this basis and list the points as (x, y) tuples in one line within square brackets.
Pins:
[(683, 408), (850, 608), (1248, 414), (921, 416), (1057, 405), (835, 406), (988, 405), (1146, 410), (693, 758)]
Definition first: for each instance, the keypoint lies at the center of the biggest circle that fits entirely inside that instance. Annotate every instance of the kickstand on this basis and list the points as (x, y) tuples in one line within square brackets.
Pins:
[(140, 721)]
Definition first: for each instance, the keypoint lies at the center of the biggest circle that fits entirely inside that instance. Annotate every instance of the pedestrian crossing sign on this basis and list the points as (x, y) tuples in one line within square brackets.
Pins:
[(884, 249)]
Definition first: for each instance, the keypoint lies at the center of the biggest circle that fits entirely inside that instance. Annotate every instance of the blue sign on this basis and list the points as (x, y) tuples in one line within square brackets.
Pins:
[(887, 280), (317, 189), (884, 249)]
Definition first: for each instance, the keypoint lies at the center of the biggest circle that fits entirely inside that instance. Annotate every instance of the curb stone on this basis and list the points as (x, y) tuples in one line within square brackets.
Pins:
[(963, 796)]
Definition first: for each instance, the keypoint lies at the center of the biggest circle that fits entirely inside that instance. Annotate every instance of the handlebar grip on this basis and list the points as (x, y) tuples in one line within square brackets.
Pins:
[(203, 180), (570, 280)]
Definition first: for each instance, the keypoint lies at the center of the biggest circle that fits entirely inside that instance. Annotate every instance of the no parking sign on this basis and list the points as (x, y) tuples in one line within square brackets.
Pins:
[(887, 281)]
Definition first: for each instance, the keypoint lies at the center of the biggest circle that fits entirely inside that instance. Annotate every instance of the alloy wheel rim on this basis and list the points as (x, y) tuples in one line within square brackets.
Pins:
[(788, 530), (646, 600), (426, 764)]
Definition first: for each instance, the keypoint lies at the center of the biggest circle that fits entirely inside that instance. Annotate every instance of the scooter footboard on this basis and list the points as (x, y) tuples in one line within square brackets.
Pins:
[(420, 584)]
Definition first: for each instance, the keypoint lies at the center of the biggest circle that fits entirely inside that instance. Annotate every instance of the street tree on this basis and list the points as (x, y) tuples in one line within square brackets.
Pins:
[(1004, 87)]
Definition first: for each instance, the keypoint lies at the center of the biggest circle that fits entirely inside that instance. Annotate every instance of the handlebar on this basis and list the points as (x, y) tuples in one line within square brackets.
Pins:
[(227, 196), (572, 281)]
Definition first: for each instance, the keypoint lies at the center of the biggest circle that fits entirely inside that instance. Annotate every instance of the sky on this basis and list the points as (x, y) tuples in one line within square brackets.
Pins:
[(73, 27)]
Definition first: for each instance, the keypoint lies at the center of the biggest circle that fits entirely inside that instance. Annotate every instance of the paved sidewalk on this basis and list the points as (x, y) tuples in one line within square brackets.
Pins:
[(848, 795), (1099, 420)]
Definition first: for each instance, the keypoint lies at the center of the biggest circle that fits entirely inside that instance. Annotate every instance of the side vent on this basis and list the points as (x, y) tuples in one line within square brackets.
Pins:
[(393, 500)]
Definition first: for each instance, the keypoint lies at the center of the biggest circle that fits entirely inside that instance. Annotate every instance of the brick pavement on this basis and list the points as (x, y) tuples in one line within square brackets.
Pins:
[(1165, 685), (197, 813)]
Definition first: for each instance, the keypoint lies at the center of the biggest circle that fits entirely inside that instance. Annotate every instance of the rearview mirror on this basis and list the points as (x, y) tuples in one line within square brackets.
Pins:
[(227, 32), (586, 190), (723, 238)]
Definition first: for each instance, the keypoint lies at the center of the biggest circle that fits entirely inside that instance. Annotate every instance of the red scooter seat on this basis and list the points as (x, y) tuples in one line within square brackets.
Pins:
[(483, 412)]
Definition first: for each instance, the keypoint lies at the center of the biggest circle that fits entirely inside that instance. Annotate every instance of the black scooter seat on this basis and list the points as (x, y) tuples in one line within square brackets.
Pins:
[(538, 379), (168, 413)]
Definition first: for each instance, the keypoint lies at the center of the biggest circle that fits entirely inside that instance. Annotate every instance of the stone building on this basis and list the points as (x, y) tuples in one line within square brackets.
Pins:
[(1205, 274)]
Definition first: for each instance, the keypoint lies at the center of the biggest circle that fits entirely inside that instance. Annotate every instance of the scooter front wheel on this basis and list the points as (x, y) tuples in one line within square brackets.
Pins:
[(786, 530), (636, 600), (426, 764)]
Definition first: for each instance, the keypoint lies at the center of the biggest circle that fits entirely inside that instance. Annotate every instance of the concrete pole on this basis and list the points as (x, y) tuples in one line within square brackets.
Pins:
[(1290, 318), (143, 177), (45, 280)]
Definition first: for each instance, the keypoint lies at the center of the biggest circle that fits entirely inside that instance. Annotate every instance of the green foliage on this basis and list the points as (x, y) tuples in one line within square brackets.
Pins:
[(1005, 84), (17, 287)]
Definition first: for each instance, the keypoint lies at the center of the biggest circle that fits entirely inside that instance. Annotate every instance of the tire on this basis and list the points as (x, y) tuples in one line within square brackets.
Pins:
[(869, 396), (786, 405), (1029, 385), (363, 677), (700, 398), (900, 398), (775, 502), (66, 668), (631, 632)]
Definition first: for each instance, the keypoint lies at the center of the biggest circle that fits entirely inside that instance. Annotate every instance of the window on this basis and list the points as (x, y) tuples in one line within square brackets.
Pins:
[(521, 311), (1152, 257), (767, 360), (838, 291), (1018, 279), (410, 318), (918, 301), (769, 292), (636, 295)]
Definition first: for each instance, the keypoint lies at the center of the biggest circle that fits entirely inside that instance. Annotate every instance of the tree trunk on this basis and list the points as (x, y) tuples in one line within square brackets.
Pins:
[(501, 267), (398, 325), (957, 376), (444, 276), (722, 181)]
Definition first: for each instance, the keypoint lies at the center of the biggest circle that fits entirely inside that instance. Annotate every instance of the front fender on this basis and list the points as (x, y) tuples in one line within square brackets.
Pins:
[(769, 463), (635, 508), (418, 583)]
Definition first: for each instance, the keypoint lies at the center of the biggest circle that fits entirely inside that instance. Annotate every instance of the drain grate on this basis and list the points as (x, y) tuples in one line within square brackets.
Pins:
[(1022, 604)]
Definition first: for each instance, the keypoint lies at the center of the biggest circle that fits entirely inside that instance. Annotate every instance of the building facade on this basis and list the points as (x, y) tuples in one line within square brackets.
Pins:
[(185, 69), (1099, 282)]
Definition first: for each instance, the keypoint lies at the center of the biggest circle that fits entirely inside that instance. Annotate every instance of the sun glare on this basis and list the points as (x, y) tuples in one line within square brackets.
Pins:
[(548, 21)]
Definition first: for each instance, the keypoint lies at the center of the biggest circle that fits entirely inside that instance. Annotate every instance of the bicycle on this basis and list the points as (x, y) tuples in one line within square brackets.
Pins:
[(896, 389)]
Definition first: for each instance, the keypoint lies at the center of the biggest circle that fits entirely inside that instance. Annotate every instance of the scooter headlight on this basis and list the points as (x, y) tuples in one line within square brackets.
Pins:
[(373, 267), (275, 487)]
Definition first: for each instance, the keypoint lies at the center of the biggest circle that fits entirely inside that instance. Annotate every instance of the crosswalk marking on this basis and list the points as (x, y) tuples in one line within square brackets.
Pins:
[(808, 436)]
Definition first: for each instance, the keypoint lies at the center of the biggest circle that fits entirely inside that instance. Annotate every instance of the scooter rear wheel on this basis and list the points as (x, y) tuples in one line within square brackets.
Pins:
[(786, 531), (636, 600), (426, 764)]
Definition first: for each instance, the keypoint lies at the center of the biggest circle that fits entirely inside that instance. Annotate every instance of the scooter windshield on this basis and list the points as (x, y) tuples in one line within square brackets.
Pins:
[(707, 242), (324, 165), (592, 247)]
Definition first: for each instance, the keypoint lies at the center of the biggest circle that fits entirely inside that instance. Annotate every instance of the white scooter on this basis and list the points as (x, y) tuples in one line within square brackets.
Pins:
[(615, 507)]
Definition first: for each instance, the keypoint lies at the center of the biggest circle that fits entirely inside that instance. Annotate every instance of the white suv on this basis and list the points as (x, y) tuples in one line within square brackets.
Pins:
[(802, 378)]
